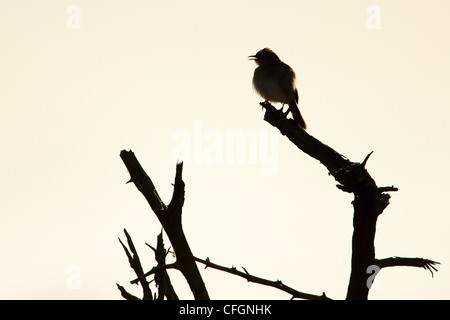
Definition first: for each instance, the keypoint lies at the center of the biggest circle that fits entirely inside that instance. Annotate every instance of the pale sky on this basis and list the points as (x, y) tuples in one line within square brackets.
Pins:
[(156, 77)]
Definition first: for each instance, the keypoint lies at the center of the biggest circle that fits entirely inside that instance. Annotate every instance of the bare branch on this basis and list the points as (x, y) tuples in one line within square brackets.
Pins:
[(170, 218), (387, 189), (177, 201), (154, 270), (408, 262), (275, 284), (162, 279), (154, 250), (307, 143), (142, 181), (352, 177), (126, 294), (135, 264)]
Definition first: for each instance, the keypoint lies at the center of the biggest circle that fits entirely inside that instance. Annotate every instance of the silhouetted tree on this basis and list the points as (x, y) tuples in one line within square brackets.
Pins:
[(352, 177)]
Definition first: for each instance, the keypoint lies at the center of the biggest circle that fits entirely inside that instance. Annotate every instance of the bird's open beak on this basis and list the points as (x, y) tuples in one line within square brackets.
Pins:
[(251, 57)]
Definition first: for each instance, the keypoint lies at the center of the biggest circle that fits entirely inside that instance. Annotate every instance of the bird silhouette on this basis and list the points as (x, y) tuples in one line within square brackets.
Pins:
[(274, 80)]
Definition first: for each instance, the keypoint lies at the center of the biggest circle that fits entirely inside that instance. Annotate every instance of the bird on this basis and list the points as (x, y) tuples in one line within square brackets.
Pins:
[(274, 81)]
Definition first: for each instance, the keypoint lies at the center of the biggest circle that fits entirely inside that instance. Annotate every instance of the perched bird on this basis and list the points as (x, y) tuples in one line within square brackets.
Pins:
[(274, 80)]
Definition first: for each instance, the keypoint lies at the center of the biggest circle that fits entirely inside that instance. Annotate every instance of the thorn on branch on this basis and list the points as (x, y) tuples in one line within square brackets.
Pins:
[(246, 272), (154, 250), (363, 164)]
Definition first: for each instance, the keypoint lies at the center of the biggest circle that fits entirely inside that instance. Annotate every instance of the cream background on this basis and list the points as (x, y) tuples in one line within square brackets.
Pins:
[(137, 71)]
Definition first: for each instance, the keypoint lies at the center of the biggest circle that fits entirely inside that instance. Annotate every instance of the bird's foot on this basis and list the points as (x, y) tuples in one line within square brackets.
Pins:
[(282, 110), (282, 107)]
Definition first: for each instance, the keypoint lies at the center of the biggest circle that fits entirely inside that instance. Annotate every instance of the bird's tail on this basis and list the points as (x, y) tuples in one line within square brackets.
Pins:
[(295, 111)]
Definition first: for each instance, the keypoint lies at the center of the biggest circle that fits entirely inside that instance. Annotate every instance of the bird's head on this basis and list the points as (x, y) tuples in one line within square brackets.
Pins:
[(265, 56)]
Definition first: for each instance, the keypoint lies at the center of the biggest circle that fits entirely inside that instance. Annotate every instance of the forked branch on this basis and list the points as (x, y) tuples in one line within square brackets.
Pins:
[(170, 218)]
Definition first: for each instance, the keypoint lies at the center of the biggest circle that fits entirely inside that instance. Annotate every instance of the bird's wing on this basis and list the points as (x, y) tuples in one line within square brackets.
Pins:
[(288, 83)]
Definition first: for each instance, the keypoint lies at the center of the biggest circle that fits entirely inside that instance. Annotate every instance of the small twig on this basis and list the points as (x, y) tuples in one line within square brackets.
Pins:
[(387, 189), (154, 250), (154, 270), (126, 294), (275, 284)]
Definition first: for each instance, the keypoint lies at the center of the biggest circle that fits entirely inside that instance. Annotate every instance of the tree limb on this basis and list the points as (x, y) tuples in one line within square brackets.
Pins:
[(154, 270), (352, 177), (386, 189), (170, 218), (126, 294), (162, 279), (331, 159), (135, 264), (408, 262), (142, 181), (275, 284)]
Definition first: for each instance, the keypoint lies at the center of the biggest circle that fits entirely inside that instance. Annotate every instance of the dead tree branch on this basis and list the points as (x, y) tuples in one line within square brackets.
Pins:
[(162, 279), (126, 294), (369, 202), (408, 262), (155, 270), (135, 264), (275, 284), (170, 218), (369, 199)]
